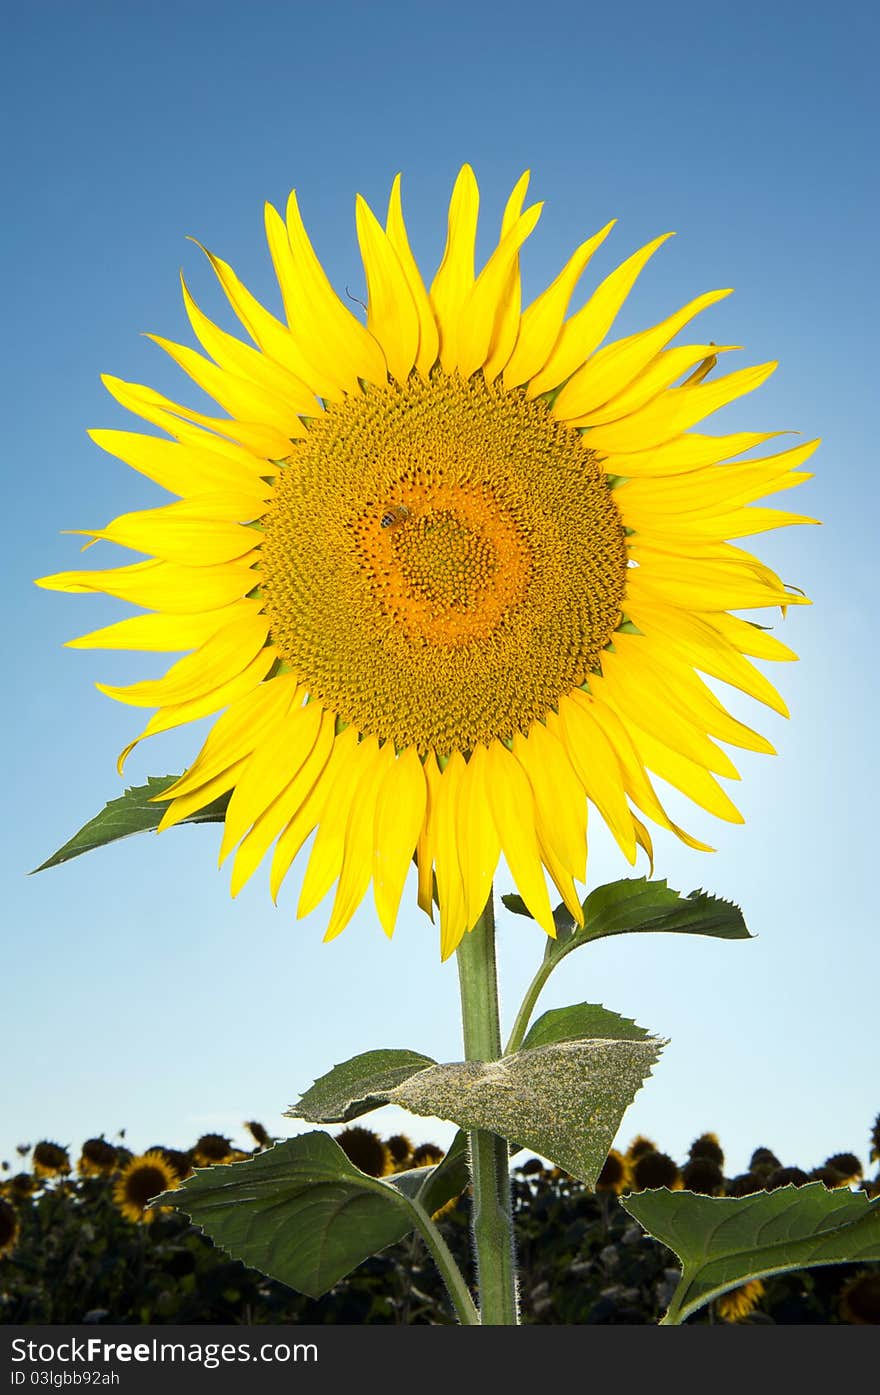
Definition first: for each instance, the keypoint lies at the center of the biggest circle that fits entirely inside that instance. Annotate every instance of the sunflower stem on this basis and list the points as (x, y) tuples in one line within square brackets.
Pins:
[(492, 1212)]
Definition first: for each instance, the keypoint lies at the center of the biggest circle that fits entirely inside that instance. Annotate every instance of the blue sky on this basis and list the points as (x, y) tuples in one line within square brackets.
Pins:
[(137, 994)]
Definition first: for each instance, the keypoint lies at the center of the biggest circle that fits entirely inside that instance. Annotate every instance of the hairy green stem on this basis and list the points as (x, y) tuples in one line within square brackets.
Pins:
[(439, 1251), (492, 1222)]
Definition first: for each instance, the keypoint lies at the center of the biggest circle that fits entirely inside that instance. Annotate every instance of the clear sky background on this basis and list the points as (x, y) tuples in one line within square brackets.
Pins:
[(135, 992)]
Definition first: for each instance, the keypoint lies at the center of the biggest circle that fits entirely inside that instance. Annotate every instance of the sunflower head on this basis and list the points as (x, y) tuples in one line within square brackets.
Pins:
[(50, 1160), (829, 1177), (20, 1186), (707, 1146), (737, 1303), (764, 1160), (180, 1162), (847, 1164), (98, 1158), (875, 1140), (704, 1175), (427, 1155), (639, 1146), (655, 1170), (211, 1148), (451, 574), (366, 1150), (143, 1178), (399, 1149), (9, 1228), (615, 1174)]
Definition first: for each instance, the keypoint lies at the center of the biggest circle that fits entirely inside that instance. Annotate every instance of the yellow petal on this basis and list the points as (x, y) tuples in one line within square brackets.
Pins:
[(635, 778), (613, 368), (182, 469), (676, 410), (257, 438), (429, 335), (163, 585), (187, 532), (450, 882), (584, 332), (163, 633), (240, 397), (330, 381), (220, 658), (401, 806), (542, 321), (245, 726), (273, 337), (682, 454), (427, 844), (699, 582), (480, 846), (714, 486), (193, 800), (559, 797), (513, 810), (272, 768), (392, 316), (182, 713), (697, 642), (348, 764), (750, 638), (596, 766), (357, 856), (455, 276), (231, 355), (660, 374), (484, 303), (506, 329)]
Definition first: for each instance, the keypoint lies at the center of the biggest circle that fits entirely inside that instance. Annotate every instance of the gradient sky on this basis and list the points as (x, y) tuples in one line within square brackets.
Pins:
[(136, 993)]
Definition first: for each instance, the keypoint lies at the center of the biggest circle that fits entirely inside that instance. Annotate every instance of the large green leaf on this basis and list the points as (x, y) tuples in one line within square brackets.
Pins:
[(300, 1211), (723, 1242), (564, 1100), (356, 1086), (131, 813), (582, 1020)]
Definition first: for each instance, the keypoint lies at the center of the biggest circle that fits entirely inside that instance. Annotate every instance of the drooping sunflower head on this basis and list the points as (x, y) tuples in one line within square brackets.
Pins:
[(399, 1149), (847, 1164), (212, 1148), (655, 1170), (707, 1146), (50, 1160), (701, 1174), (615, 1175), (97, 1158), (427, 1155), (640, 1145), (449, 574), (258, 1133), (365, 1149), (143, 1178)]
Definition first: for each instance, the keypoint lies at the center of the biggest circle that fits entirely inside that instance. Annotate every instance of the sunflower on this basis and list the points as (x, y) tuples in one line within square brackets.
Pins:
[(615, 1175), (143, 1178), (448, 574), (212, 1148), (97, 1159), (366, 1150), (50, 1160), (9, 1228)]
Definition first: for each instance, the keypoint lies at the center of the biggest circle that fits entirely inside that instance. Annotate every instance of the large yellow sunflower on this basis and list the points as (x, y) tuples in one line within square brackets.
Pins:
[(448, 574)]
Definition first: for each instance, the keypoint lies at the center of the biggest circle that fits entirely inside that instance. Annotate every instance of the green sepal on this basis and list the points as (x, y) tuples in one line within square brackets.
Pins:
[(356, 1086), (723, 1242), (131, 813)]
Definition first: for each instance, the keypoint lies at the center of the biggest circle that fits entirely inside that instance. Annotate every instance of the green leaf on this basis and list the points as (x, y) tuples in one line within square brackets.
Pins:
[(636, 904), (356, 1086), (300, 1211), (565, 1100), (723, 1242), (580, 1021), (131, 813)]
